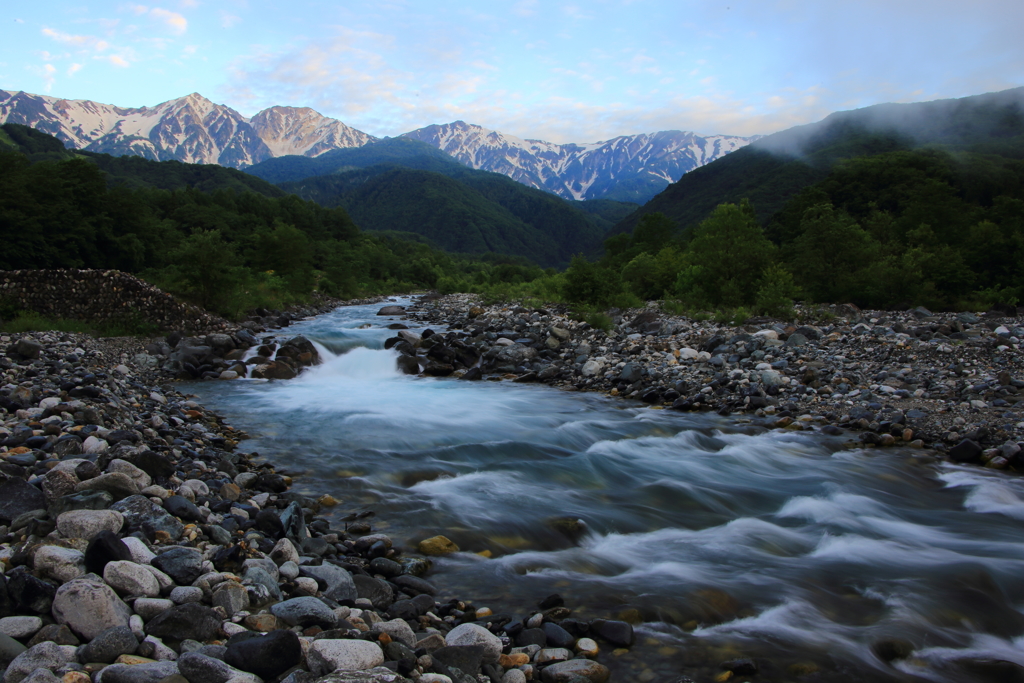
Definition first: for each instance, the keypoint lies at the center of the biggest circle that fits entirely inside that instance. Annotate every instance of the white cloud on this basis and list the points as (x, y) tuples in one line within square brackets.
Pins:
[(174, 21), (74, 68), (118, 60), (48, 73), (227, 20), (84, 42)]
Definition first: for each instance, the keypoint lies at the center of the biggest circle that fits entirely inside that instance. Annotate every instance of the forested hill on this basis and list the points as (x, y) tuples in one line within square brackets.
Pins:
[(135, 172), (241, 245), (407, 185), (773, 170)]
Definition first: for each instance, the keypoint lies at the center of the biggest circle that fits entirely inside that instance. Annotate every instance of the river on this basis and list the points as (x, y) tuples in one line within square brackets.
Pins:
[(721, 539)]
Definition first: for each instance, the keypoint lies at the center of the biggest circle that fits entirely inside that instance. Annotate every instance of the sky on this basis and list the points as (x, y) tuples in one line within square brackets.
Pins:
[(548, 70)]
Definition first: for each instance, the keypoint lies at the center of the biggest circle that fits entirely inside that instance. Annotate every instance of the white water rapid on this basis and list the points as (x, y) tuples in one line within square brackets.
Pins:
[(723, 540)]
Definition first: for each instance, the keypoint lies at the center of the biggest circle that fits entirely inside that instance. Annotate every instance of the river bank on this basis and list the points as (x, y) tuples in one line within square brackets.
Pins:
[(946, 382), (139, 544)]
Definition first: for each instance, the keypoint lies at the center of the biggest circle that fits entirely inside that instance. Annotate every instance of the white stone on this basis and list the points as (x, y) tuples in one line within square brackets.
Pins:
[(398, 629), (767, 334), (138, 476), (591, 368), (49, 402), (62, 564), (141, 554), (328, 655), (149, 608), (164, 580), (88, 524), (434, 678), (687, 353), (129, 578), (94, 446), (20, 627), (474, 634), (88, 607)]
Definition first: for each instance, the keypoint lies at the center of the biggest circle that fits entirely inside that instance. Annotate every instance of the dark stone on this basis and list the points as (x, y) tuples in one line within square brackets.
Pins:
[(109, 644), (184, 565), (532, 636), (411, 609), (385, 567), (294, 522), (183, 508), (618, 633), (557, 636), (992, 670), (270, 524), (29, 592), (273, 483), (55, 633), (465, 658), (892, 648), (83, 500), (376, 591), (266, 656), (409, 365), (554, 600), (154, 464), (413, 585), (142, 514), (17, 497), (741, 667), (190, 621), (392, 310), (105, 547), (965, 451)]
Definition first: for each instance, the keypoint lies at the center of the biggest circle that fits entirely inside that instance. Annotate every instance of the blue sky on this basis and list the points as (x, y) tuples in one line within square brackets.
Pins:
[(558, 71)]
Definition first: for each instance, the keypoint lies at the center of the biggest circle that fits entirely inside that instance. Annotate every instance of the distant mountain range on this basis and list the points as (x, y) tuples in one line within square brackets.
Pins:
[(195, 130)]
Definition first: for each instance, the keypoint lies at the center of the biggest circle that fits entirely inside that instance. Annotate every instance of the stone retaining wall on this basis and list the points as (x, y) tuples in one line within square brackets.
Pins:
[(102, 296)]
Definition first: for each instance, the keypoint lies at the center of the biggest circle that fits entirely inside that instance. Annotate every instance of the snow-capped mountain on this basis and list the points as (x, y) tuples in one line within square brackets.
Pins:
[(195, 130), (303, 131), (191, 129), (629, 167)]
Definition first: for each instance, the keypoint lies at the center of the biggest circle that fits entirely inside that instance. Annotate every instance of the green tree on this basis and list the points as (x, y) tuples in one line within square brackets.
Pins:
[(208, 271), (832, 256), (726, 258)]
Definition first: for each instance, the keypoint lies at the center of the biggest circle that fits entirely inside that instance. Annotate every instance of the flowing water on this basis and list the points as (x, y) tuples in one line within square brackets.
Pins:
[(722, 539)]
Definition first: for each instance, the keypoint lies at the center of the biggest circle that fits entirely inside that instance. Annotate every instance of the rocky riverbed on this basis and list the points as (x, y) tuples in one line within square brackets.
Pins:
[(139, 545), (948, 382)]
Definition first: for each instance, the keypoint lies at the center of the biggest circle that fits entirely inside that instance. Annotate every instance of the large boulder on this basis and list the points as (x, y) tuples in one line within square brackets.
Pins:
[(329, 655), (189, 621), (266, 656), (88, 606)]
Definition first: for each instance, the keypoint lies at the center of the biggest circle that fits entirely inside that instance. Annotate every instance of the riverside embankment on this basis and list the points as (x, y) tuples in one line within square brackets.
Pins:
[(736, 550)]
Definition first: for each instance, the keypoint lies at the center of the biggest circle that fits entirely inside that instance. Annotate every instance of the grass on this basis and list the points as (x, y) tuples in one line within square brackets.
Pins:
[(33, 322)]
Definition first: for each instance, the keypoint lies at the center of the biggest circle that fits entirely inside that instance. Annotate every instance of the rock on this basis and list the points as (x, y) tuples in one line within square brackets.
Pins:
[(305, 612), (328, 655), (88, 524), (58, 633), (411, 609), (128, 578), (201, 668), (377, 674), (150, 608), (110, 644), (183, 508), (88, 607), (147, 672), (45, 655), (30, 593), (184, 565), (142, 514), (117, 484), (398, 629), (618, 633), (392, 310), (966, 451), (573, 670), (62, 564), (339, 585), (9, 649), (106, 547), (189, 621), (17, 497), (591, 368), (377, 592), (140, 477), (466, 658), (266, 656), (29, 349), (437, 545), (20, 627), (473, 634), (557, 636), (181, 595), (232, 597)]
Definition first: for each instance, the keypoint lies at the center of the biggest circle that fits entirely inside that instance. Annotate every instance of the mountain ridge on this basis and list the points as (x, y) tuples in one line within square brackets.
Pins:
[(193, 129)]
